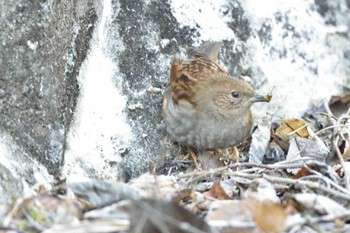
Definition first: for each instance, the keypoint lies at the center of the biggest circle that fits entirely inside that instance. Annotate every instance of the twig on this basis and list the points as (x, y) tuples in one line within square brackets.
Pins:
[(200, 174), (316, 177), (328, 181), (327, 115), (341, 160), (296, 131), (270, 166), (335, 145), (309, 184), (339, 192)]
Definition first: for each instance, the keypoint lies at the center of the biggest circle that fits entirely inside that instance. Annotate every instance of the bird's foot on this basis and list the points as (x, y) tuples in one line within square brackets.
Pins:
[(194, 157)]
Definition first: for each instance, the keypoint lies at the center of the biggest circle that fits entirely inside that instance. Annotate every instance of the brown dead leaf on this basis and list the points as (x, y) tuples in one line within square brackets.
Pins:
[(283, 144), (305, 171), (291, 127), (270, 217), (218, 192), (246, 215)]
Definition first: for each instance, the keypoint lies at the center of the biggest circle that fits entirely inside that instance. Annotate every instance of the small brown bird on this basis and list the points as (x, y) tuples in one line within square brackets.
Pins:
[(205, 107)]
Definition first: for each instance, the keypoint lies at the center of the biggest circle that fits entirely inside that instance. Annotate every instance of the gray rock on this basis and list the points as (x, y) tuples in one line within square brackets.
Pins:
[(42, 47), (45, 46)]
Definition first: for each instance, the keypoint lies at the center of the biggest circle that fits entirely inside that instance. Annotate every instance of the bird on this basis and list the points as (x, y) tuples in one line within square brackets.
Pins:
[(204, 107)]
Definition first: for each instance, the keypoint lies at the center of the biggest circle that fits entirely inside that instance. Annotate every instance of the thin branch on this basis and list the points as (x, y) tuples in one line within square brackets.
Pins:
[(329, 181), (335, 138), (342, 163), (281, 180), (309, 184), (200, 174)]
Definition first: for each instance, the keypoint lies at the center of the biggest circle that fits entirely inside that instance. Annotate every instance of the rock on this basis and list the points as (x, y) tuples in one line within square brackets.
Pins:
[(39, 65), (300, 47)]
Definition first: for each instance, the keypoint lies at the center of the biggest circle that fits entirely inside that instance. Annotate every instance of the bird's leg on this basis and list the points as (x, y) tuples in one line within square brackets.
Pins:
[(235, 152), (194, 157)]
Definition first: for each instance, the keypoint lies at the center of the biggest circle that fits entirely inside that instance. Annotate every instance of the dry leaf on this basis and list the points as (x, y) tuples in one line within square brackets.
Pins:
[(218, 192), (305, 171), (303, 147), (247, 216), (283, 144), (274, 153), (261, 190), (161, 216), (199, 203), (146, 215), (259, 145), (95, 193), (291, 127), (183, 195), (339, 105), (152, 186), (231, 216), (270, 217), (318, 203), (345, 99), (41, 212), (346, 168), (344, 149)]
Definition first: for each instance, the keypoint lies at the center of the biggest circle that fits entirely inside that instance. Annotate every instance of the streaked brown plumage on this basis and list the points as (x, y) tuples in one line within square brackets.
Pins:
[(205, 107)]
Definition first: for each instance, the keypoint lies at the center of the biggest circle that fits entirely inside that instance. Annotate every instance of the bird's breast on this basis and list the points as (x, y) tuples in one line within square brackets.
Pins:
[(204, 131), (216, 133)]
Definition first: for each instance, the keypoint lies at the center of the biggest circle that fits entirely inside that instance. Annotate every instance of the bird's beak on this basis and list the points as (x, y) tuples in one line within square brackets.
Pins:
[(260, 98)]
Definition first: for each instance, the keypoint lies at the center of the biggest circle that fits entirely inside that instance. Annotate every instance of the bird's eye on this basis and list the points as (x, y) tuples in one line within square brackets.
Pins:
[(235, 94)]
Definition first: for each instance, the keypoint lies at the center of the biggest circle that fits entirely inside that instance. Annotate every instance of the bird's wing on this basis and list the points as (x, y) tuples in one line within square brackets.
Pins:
[(185, 75)]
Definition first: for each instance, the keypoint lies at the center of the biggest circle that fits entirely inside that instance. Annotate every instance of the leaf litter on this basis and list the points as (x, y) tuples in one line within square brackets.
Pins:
[(290, 176)]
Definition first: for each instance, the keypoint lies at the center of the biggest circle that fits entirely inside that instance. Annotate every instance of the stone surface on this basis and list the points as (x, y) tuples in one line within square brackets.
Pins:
[(42, 45), (300, 47)]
